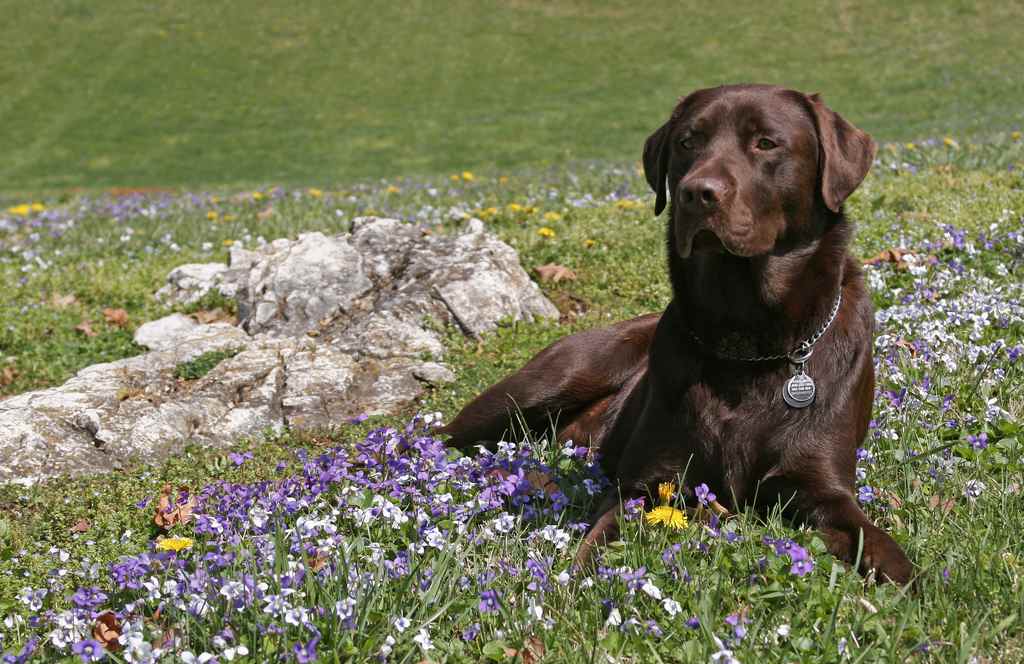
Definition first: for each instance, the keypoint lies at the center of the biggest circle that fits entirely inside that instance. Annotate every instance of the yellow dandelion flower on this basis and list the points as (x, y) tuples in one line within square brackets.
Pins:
[(453, 178), (589, 243), (314, 192), (392, 189), (20, 210), (468, 176), (257, 195), (950, 143), (174, 544), (514, 207), (228, 243), (1015, 135), (546, 232), (628, 204), (552, 216), (665, 515), (529, 209), (230, 217), (910, 146), (211, 215), (487, 213), (37, 207), (503, 179)]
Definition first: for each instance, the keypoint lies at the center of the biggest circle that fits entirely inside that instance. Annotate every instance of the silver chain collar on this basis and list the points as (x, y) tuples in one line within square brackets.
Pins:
[(798, 355)]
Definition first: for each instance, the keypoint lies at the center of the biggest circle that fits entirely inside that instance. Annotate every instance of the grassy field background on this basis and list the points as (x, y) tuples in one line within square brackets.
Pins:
[(190, 94)]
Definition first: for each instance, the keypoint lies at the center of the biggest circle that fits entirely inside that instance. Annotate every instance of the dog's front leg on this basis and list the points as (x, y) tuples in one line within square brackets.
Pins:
[(604, 530), (841, 522)]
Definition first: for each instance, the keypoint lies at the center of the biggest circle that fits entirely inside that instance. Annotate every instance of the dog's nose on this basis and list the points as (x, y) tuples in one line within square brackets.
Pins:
[(703, 192)]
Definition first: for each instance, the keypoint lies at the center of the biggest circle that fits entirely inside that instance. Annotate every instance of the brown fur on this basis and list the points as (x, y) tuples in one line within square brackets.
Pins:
[(755, 178)]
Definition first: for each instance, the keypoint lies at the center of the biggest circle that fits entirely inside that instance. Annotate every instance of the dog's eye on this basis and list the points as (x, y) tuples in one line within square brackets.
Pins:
[(766, 144), (687, 142)]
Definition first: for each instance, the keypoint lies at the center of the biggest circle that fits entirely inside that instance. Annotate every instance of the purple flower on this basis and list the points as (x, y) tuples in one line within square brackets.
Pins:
[(89, 650), (704, 494), (978, 442), (693, 623), (490, 601), (305, 653), (634, 508), (865, 494), (88, 598), (802, 567), (471, 632), (239, 459)]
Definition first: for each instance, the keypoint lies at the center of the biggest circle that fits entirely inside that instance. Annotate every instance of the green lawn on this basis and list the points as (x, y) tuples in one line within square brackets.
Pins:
[(203, 94)]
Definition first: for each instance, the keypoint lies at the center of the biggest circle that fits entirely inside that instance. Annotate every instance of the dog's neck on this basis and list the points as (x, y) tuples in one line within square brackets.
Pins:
[(765, 304)]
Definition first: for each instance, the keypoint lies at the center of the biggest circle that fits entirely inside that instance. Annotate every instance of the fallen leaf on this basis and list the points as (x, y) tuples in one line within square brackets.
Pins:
[(116, 317), (62, 301), (85, 327), (171, 511), (81, 526), (532, 651), (945, 505), (107, 630), (211, 316), (555, 273), (889, 256), (7, 376), (265, 213), (317, 562)]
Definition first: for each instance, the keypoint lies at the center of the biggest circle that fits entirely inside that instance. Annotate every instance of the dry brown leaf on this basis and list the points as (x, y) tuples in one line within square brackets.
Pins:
[(533, 650), (211, 316), (555, 273), (937, 503), (59, 301), (85, 327), (7, 376), (81, 526), (265, 213), (171, 510), (317, 562), (107, 630), (116, 317), (889, 256)]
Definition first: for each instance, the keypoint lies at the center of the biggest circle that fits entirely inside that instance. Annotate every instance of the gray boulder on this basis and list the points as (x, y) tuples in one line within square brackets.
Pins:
[(330, 327)]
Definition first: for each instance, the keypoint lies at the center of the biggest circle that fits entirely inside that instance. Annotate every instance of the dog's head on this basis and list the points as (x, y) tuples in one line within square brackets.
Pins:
[(749, 165)]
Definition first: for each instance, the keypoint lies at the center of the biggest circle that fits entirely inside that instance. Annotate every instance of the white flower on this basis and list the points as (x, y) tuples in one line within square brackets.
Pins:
[(563, 577), (651, 589), (345, 608), (402, 624), (237, 651), (724, 655), (614, 619), (388, 646), (422, 639), (201, 658), (973, 489), (671, 606), (536, 611), (782, 631), (232, 590)]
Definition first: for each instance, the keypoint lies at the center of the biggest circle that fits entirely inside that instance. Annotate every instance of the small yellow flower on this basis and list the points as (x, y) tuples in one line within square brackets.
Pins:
[(627, 204), (230, 217), (910, 146), (667, 516), (20, 210), (228, 243), (468, 176), (257, 195), (211, 215), (314, 192), (453, 178), (514, 207), (37, 207), (503, 179), (487, 213), (589, 243), (1015, 135), (174, 544), (529, 209), (665, 492), (392, 189), (545, 232), (552, 216), (951, 143)]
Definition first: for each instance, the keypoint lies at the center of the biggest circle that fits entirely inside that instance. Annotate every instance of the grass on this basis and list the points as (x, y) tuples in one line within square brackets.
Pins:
[(202, 365), (136, 94), (969, 600)]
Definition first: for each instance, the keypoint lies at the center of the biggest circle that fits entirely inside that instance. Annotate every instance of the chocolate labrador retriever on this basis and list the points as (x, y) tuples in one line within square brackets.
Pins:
[(758, 378)]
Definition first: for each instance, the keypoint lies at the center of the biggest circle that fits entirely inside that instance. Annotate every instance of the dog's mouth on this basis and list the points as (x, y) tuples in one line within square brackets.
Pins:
[(706, 241)]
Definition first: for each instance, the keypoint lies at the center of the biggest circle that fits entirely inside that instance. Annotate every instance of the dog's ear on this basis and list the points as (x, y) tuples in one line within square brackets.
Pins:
[(656, 164), (845, 154)]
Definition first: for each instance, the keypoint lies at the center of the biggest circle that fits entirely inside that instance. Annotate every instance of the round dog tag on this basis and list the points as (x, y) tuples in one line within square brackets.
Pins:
[(799, 391)]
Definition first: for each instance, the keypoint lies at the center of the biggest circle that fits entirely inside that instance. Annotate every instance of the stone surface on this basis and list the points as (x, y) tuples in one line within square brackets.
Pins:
[(330, 327)]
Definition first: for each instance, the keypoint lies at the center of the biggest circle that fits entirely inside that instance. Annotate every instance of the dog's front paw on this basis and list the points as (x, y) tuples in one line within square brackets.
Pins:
[(885, 558)]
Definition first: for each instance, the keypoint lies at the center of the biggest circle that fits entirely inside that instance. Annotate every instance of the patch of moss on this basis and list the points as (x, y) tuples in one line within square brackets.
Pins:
[(202, 365)]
